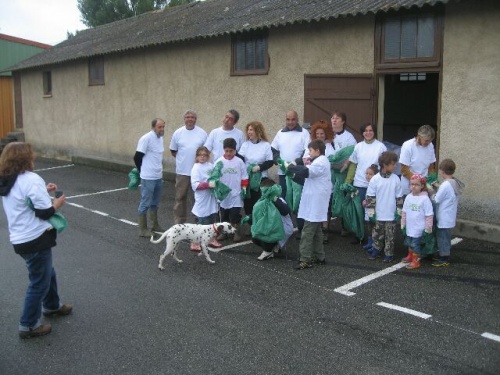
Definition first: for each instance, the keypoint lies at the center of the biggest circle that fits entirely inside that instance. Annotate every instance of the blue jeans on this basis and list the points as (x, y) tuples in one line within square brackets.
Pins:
[(42, 289), (443, 237), (150, 195), (414, 244)]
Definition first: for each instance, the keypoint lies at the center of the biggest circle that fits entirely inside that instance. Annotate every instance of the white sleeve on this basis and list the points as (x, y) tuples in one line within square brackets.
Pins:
[(173, 142)]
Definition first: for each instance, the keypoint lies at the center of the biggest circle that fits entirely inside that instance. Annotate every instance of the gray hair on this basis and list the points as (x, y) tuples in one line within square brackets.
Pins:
[(427, 132), (190, 112)]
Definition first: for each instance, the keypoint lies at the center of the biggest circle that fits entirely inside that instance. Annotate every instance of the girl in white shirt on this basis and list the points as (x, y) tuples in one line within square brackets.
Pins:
[(416, 217), (205, 204)]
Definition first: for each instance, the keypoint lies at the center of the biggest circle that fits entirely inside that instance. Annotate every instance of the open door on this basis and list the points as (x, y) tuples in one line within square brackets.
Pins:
[(352, 94)]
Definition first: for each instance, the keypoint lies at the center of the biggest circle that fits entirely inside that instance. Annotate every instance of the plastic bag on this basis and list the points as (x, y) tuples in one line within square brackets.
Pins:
[(254, 179), (58, 221), (133, 179), (338, 195), (293, 189), (221, 190), (267, 225), (352, 211)]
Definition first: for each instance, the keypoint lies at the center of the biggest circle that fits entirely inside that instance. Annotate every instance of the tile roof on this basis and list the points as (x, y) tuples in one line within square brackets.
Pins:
[(210, 18)]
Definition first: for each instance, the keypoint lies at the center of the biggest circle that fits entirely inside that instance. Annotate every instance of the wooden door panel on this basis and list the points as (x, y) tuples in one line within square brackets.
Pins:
[(350, 94)]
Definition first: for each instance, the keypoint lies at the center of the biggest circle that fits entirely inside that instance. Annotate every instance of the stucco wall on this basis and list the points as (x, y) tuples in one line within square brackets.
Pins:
[(470, 104), (106, 121)]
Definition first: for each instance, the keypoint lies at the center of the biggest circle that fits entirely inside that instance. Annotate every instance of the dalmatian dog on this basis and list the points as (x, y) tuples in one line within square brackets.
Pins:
[(201, 234)]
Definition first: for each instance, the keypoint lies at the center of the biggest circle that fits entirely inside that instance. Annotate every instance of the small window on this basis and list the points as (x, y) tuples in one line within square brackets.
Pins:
[(47, 83), (96, 71), (249, 54), (412, 77), (408, 38)]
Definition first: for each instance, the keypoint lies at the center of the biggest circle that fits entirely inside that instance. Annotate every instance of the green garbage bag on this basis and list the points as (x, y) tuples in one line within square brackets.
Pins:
[(338, 195), (254, 179), (293, 189), (267, 225), (352, 211), (221, 190), (133, 179), (340, 156)]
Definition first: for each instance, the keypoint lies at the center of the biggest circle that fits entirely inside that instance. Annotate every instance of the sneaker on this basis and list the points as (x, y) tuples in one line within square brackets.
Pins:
[(301, 265), (317, 261), (42, 330), (441, 262), (388, 259), (63, 310), (215, 244), (266, 255), (277, 249), (374, 254), (195, 247)]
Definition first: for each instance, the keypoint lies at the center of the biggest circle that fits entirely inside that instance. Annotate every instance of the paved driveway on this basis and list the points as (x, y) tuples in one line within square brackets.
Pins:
[(242, 316)]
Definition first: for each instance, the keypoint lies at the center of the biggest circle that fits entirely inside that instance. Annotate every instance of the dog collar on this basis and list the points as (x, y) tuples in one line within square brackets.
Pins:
[(215, 229)]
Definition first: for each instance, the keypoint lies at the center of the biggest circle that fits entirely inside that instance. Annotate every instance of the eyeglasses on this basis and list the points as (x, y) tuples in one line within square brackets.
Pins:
[(206, 155), (415, 184)]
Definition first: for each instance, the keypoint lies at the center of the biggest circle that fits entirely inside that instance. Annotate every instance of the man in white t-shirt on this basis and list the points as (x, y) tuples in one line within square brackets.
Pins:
[(417, 156), (289, 144), (183, 145), (227, 130), (148, 159)]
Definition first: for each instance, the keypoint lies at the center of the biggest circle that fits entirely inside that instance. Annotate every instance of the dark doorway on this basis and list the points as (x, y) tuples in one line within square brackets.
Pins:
[(410, 100)]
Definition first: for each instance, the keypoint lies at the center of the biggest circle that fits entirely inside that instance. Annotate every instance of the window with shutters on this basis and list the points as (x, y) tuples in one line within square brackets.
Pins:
[(409, 39), (96, 71), (249, 54)]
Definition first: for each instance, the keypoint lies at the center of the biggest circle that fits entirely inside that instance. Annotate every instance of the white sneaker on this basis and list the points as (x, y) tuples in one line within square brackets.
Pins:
[(266, 255)]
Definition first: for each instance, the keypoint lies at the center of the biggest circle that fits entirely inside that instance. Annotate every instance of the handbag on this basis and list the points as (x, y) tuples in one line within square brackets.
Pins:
[(58, 221)]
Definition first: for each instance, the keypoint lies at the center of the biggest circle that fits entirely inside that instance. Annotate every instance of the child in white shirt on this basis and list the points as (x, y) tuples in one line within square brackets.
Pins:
[(384, 201), (446, 199), (235, 176), (417, 216), (205, 205)]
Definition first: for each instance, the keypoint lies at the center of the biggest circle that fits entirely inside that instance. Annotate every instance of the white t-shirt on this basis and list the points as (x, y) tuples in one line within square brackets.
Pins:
[(256, 153), (152, 147), (186, 142), (24, 226), (233, 171), (216, 139), (417, 158), (205, 203), (417, 207), (343, 140), (290, 144), (316, 192), (447, 206), (386, 191), (364, 155)]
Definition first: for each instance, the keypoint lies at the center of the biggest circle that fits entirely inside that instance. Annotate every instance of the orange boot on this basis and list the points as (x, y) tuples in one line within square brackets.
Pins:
[(408, 257), (415, 262)]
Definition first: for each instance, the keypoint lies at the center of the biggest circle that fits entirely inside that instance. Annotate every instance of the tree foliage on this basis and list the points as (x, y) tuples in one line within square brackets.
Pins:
[(100, 12)]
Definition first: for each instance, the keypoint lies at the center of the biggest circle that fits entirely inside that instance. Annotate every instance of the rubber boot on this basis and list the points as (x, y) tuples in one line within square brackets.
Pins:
[(369, 243), (415, 262), (143, 226), (409, 257), (153, 217), (237, 233)]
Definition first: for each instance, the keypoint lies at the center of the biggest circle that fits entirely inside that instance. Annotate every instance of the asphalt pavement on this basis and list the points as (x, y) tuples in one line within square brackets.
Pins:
[(240, 315)]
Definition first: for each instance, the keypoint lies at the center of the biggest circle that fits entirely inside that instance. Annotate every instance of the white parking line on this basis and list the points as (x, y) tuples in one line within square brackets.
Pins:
[(456, 240), (346, 289), (96, 193), (405, 310), (47, 169), (491, 336)]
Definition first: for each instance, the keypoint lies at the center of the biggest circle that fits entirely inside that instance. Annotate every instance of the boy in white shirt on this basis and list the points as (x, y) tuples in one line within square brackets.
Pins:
[(446, 199), (384, 201), (313, 207), (235, 176)]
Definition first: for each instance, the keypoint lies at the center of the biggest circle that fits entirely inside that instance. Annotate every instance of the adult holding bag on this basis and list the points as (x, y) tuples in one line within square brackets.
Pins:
[(31, 234)]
